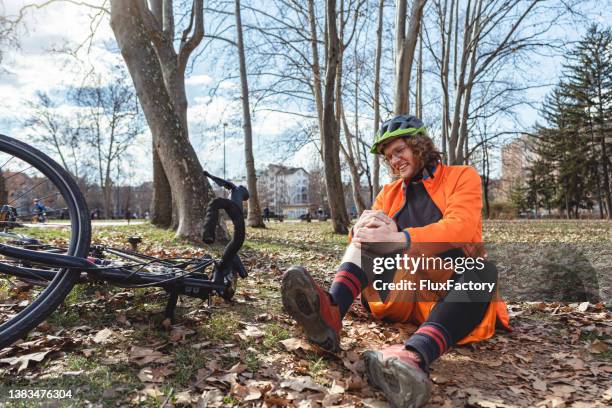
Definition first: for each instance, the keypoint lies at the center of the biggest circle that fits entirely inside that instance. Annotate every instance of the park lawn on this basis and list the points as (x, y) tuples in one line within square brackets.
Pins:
[(111, 346)]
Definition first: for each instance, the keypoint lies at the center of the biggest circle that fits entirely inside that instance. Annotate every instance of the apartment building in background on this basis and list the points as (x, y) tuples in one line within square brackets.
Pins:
[(516, 158), (284, 190)]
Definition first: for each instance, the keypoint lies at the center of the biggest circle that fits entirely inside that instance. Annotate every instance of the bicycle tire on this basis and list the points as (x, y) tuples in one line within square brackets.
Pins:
[(80, 235)]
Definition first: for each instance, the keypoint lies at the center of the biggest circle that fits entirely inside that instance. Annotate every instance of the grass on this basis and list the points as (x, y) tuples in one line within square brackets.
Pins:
[(266, 253), (274, 334), (86, 386), (188, 361), (220, 327)]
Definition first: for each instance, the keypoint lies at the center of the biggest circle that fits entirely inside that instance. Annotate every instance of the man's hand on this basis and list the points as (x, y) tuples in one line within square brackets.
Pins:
[(377, 228), (380, 234), (374, 219), (380, 240)]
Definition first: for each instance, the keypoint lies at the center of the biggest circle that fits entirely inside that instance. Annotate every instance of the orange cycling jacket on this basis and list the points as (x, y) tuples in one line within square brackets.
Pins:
[(446, 208)]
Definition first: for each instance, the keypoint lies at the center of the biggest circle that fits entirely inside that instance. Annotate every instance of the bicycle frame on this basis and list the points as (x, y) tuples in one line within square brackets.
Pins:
[(179, 278)]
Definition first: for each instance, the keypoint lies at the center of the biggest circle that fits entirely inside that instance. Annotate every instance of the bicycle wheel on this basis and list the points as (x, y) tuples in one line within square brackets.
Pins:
[(30, 179)]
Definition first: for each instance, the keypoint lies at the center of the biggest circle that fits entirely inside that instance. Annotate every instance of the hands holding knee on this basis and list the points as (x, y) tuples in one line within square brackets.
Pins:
[(376, 226), (374, 219)]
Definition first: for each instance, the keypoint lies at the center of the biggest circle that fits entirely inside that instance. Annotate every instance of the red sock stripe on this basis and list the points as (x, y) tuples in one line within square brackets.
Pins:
[(352, 278), (436, 335), (348, 283), (434, 331)]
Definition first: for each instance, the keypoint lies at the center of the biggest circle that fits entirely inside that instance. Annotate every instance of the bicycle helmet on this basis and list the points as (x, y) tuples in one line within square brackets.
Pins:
[(400, 125)]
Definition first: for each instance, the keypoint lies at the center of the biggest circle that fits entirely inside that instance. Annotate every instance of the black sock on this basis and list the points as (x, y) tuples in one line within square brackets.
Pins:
[(431, 340), (347, 285)]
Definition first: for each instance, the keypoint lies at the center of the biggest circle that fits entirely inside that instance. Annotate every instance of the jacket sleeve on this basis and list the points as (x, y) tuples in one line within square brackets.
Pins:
[(462, 216)]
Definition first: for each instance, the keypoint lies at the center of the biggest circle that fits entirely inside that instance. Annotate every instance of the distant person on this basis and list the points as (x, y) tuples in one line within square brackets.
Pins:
[(39, 211), (128, 215), (267, 214), (98, 212)]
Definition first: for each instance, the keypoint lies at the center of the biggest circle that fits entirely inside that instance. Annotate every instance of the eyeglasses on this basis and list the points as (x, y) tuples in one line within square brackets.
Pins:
[(397, 152)]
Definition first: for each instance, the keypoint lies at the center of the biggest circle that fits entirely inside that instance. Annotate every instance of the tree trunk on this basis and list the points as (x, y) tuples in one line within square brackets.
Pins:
[(446, 42), (330, 142), (604, 153), (107, 191), (597, 178), (419, 80), (360, 205), (379, 29), (161, 206), (405, 47), (255, 218), (316, 69), (486, 173), (176, 154)]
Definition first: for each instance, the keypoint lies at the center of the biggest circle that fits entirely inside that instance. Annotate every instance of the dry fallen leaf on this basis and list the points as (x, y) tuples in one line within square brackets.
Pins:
[(246, 393), (142, 356), (250, 332), (237, 368), (185, 398), (598, 346), (524, 359), (607, 395), (103, 336), (539, 385), (516, 390), (154, 375), (276, 400), (439, 379), (25, 359), (582, 307), (294, 343), (575, 363), (552, 402), (374, 403), (301, 383)]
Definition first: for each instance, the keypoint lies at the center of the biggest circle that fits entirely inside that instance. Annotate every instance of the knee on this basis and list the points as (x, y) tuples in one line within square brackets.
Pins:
[(352, 255)]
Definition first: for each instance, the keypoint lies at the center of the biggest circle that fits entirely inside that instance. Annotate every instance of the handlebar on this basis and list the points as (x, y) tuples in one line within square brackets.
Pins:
[(210, 223), (220, 182), (233, 207)]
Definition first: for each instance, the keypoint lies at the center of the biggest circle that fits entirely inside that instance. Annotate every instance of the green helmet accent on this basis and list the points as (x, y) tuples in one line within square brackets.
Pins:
[(401, 125)]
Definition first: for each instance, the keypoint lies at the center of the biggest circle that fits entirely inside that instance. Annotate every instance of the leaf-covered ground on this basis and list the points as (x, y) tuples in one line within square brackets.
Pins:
[(112, 347)]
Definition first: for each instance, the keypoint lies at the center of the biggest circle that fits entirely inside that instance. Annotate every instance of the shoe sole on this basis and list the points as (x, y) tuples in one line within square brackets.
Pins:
[(301, 301), (403, 385)]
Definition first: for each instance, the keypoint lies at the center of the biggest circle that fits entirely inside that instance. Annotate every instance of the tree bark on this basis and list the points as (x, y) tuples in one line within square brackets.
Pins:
[(329, 136), (405, 48), (161, 206), (166, 121), (419, 80), (316, 69), (255, 218), (360, 205), (377, 121)]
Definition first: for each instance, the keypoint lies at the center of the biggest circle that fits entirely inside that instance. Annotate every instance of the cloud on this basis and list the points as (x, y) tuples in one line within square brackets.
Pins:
[(200, 79)]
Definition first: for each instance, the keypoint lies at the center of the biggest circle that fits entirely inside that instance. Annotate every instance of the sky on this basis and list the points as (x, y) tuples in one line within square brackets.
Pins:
[(36, 67)]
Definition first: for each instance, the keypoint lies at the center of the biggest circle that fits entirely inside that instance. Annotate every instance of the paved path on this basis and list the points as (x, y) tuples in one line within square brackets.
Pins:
[(94, 224)]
